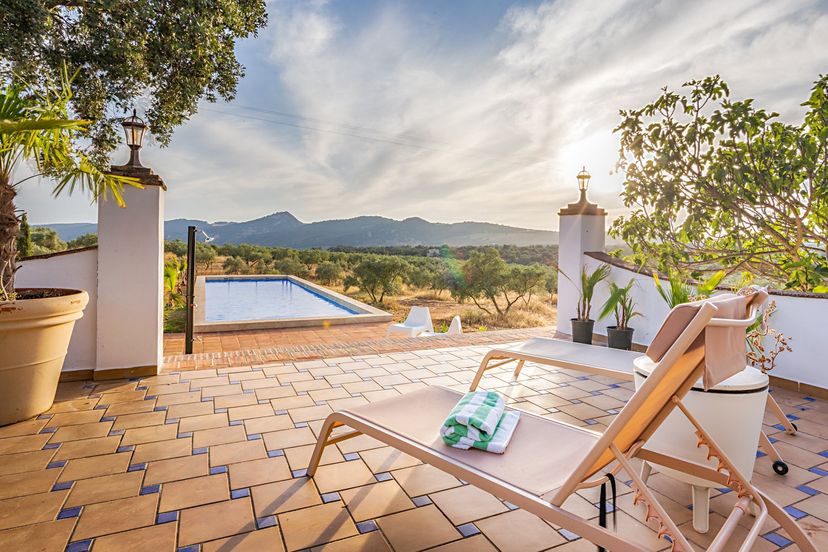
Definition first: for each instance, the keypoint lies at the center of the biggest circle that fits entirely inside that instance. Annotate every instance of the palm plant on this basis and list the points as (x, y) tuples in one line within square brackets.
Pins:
[(173, 269), (621, 303), (36, 127), (679, 290), (588, 283)]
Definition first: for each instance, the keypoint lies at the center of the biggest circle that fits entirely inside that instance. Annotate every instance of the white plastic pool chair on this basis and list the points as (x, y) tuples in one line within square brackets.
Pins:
[(455, 328), (417, 322)]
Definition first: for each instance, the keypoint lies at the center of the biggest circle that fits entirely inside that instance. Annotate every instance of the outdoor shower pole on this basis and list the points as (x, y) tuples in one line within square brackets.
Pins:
[(191, 268)]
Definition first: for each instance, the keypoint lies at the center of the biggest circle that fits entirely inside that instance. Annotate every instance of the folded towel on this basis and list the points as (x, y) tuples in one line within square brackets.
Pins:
[(497, 443), (479, 420), (480, 410)]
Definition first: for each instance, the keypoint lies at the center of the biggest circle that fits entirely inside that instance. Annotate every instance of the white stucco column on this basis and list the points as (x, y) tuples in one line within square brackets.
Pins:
[(130, 336), (582, 228)]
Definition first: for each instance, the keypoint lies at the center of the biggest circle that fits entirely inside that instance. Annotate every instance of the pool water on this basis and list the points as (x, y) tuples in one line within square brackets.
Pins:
[(267, 299)]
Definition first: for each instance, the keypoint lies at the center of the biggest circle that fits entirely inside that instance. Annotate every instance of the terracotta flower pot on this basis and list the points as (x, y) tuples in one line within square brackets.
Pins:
[(34, 338)]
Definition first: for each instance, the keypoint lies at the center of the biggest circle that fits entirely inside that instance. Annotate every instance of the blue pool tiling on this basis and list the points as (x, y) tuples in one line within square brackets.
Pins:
[(239, 493), (367, 526), (468, 529), (69, 512), (166, 517), (421, 500), (230, 299)]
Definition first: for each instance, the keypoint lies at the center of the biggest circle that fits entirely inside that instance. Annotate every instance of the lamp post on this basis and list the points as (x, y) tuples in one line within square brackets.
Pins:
[(583, 205), (583, 181), (134, 129)]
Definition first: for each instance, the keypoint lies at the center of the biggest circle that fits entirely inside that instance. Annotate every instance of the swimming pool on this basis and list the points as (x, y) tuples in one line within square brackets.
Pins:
[(245, 299), (256, 302)]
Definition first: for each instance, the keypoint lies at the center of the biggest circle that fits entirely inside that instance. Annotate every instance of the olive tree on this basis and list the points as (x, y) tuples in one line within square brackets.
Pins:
[(717, 183)]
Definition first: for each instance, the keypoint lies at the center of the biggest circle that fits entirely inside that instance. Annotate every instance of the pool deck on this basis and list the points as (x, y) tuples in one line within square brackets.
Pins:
[(212, 460)]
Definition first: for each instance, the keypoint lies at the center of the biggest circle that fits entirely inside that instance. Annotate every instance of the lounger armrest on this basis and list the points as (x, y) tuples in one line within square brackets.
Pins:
[(728, 322)]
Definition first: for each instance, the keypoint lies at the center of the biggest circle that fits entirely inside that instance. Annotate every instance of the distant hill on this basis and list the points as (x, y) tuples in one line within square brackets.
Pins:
[(283, 229)]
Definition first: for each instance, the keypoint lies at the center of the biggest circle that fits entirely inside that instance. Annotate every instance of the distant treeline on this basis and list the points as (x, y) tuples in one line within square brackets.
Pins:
[(517, 254)]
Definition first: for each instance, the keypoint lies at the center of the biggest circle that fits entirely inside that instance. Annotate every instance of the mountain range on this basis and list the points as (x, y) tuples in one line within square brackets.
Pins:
[(285, 230)]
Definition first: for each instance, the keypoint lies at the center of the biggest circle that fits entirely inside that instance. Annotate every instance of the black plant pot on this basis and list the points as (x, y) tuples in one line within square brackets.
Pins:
[(619, 339), (582, 330)]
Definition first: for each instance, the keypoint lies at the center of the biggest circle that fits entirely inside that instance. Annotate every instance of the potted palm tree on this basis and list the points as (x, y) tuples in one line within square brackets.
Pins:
[(36, 324), (621, 304), (582, 325)]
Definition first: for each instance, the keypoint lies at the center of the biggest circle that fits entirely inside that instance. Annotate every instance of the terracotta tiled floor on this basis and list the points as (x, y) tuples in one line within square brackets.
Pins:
[(213, 460), (218, 342)]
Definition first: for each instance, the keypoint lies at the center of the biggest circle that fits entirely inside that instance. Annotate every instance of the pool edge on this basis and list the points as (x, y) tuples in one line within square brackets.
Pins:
[(366, 313)]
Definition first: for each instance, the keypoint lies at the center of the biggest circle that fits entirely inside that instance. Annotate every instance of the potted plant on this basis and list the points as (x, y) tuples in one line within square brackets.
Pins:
[(36, 324), (582, 325), (620, 303)]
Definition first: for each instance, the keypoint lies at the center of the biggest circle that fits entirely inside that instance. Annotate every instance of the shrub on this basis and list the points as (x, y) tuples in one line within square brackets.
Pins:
[(328, 272)]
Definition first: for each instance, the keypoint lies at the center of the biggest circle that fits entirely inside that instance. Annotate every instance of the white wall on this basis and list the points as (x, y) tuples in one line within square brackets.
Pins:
[(76, 270), (800, 317), (578, 233), (130, 280)]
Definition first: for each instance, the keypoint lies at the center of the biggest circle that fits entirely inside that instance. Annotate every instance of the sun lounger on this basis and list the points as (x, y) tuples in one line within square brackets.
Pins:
[(455, 328), (602, 361), (547, 461)]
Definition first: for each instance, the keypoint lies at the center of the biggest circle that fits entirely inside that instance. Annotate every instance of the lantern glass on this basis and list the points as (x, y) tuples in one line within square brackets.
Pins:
[(134, 129), (583, 180)]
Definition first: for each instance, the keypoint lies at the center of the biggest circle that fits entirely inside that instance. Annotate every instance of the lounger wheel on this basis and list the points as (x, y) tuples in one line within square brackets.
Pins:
[(780, 467), (794, 426)]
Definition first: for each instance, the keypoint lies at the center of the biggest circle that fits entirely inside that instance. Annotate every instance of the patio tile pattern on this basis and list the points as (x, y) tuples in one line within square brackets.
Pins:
[(213, 459)]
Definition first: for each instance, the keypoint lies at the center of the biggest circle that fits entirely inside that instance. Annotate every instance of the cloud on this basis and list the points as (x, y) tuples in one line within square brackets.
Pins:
[(397, 110)]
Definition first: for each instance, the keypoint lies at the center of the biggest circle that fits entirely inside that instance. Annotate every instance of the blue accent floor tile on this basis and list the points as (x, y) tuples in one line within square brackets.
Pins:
[(45, 417), (62, 486), (184, 435), (137, 467), (49, 446), (101, 407), (166, 517), (777, 539), (760, 454), (218, 469), (421, 500), (807, 490), (300, 424), (150, 489), (331, 497), (383, 476), (568, 535), (824, 453), (575, 401), (268, 521), (299, 473), (159, 409), (141, 388), (367, 526), (115, 432), (794, 512), (219, 410), (200, 450), (55, 464), (791, 417), (254, 437), (468, 529), (780, 427), (275, 453), (79, 546), (818, 471), (351, 456), (239, 493), (510, 505), (809, 399), (108, 419), (237, 423), (191, 548), (127, 448), (590, 421), (171, 421), (263, 401), (69, 512), (150, 397), (48, 430), (773, 439)]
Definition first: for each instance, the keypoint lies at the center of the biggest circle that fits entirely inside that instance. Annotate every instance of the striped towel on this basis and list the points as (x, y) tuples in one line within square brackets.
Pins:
[(480, 420)]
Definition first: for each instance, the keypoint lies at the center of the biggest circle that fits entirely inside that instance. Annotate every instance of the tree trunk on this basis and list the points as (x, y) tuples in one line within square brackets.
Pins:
[(9, 227)]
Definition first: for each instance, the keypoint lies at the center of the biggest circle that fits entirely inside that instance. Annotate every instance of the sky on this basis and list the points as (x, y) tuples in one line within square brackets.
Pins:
[(461, 110)]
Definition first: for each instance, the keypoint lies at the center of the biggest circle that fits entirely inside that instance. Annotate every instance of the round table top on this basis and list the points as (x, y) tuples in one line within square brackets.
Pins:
[(749, 379)]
